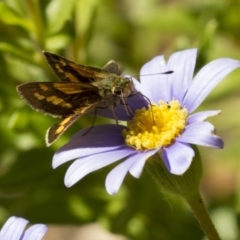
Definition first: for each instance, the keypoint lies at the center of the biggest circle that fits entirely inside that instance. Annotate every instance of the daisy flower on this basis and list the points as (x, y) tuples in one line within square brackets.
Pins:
[(164, 126), (14, 227)]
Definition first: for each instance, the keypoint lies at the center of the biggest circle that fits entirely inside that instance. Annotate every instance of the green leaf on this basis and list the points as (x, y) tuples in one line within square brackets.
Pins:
[(17, 6), (8, 16), (84, 14), (57, 42), (57, 13), (14, 50)]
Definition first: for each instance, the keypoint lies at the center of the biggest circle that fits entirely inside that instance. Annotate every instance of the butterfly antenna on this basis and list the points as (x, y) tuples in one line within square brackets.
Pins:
[(152, 74)]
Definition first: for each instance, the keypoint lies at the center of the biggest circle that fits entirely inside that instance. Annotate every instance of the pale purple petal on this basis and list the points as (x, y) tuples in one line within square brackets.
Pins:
[(81, 167), (35, 232), (63, 157), (178, 157), (134, 164), (201, 133), (99, 139), (115, 177), (207, 78), (13, 228), (201, 116), (137, 167), (183, 64), (155, 85)]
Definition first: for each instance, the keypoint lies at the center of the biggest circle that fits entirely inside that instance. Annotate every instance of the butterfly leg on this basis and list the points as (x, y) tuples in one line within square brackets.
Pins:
[(95, 116), (127, 108), (145, 98)]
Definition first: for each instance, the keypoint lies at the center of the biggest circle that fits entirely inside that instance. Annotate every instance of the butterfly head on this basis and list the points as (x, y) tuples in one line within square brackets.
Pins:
[(123, 87)]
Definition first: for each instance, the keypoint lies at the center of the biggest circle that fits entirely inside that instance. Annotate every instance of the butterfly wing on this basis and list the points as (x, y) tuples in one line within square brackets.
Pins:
[(68, 71), (67, 100), (59, 99), (113, 67), (77, 93), (54, 132)]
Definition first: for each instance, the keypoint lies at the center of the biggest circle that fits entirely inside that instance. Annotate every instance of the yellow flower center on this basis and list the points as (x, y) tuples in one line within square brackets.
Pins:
[(156, 126)]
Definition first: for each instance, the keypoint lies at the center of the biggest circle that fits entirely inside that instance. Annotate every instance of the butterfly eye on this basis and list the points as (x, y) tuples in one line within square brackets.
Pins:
[(117, 91)]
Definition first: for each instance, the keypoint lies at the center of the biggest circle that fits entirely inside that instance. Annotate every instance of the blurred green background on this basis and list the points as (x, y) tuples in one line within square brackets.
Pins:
[(92, 32)]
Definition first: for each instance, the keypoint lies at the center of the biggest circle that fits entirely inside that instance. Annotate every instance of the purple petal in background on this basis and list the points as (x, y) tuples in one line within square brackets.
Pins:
[(35, 232), (13, 228)]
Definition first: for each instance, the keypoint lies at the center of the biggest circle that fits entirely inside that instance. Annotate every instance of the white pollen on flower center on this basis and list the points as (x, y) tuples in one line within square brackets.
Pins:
[(155, 127)]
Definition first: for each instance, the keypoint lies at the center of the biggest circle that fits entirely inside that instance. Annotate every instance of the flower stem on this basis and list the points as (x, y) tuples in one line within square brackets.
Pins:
[(186, 186), (200, 212)]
